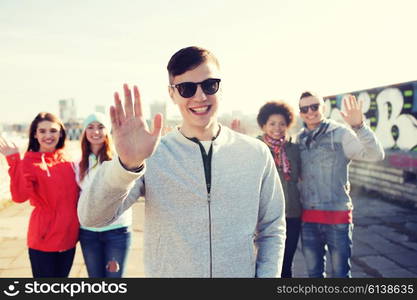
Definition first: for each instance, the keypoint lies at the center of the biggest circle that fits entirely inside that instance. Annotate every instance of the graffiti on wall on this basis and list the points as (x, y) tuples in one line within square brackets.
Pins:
[(391, 111)]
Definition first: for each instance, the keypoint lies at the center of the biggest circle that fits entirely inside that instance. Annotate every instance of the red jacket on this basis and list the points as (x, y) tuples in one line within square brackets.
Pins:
[(47, 180)]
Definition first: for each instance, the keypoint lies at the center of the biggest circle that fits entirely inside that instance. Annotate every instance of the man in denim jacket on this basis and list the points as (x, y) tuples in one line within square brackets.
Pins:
[(327, 147)]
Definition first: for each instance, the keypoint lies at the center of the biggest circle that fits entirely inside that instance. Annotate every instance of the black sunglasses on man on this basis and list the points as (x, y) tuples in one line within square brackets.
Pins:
[(313, 107), (209, 86)]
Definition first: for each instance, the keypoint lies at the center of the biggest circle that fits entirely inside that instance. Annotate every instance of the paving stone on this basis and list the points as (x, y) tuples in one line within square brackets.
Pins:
[(394, 219), (78, 258), (390, 234), (12, 248), (77, 271), (382, 245), (411, 217), (397, 273), (375, 208), (299, 267), (135, 260), (83, 272), (380, 228), (365, 221), (411, 226), (16, 230), (405, 259), (361, 249), (413, 270), (411, 245), (21, 260), (5, 262), (17, 273), (355, 268), (137, 241), (359, 274), (379, 263), (11, 211), (361, 233)]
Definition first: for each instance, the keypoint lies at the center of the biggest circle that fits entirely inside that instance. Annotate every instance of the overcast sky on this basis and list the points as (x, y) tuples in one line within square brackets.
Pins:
[(86, 49)]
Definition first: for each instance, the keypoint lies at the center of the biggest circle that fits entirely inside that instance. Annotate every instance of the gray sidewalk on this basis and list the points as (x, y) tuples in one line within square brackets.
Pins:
[(385, 242), (14, 260)]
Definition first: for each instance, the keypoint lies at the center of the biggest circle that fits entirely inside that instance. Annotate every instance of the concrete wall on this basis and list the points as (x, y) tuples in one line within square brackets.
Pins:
[(393, 178), (391, 111)]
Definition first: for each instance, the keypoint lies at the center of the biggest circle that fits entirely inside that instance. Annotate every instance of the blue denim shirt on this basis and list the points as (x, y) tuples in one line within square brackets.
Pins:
[(325, 155)]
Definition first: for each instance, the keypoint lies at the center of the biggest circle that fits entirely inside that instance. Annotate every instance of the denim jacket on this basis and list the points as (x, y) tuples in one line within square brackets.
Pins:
[(325, 155)]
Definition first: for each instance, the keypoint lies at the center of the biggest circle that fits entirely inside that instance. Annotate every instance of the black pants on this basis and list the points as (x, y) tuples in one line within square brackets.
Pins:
[(293, 233), (51, 264)]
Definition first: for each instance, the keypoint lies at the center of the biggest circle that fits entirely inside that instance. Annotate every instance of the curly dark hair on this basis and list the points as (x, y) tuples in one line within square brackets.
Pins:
[(276, 107)]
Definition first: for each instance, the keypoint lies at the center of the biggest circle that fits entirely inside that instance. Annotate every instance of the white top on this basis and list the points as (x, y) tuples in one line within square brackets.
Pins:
[(124, 220)]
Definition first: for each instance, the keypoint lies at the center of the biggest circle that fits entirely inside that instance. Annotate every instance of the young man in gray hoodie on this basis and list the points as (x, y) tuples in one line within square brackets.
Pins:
[(214, 205)]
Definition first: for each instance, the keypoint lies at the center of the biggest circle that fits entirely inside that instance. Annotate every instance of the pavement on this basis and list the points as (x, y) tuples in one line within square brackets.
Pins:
[(384, 242)]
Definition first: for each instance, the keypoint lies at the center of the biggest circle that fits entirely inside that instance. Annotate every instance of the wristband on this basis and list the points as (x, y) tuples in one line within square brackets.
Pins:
[(360, 126), (134, 170)]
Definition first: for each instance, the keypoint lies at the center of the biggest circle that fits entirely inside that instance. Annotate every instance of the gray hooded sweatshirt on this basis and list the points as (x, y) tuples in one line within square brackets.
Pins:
[(235, 230)]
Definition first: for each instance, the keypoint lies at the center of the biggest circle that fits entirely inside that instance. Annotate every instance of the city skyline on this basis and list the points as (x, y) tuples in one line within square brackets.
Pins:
[(86, 50)]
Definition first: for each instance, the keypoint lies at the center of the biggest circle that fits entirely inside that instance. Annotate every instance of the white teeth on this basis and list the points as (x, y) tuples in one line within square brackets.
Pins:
[(200, 109)]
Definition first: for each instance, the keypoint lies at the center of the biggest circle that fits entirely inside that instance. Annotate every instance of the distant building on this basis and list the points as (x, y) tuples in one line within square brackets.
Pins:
[(237, 114), (100, 108), (248, 124), (161, 107), (68, 115), (158, 107), (67, 110)]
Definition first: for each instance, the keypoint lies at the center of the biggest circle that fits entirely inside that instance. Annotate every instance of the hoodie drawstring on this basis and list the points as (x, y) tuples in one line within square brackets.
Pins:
[(45, 165)]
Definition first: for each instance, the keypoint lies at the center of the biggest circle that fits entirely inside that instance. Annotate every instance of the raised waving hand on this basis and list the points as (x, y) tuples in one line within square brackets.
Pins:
[(133, 140), (353, 111), (7, 148), (235, 125)]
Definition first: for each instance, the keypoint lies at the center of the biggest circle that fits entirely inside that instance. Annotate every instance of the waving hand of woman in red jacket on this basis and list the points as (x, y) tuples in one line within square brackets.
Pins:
[(46, 178)]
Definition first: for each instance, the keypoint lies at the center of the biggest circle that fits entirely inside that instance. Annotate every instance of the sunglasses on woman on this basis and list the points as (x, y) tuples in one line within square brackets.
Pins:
[(313, 107), (209, 86)]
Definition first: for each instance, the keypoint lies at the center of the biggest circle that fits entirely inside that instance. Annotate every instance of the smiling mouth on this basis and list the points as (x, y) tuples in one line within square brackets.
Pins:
[(201, 110)]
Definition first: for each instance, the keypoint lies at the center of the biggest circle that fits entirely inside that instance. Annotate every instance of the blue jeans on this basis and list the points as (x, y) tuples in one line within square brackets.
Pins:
[(105, 252), (293, 234), (317, 238)]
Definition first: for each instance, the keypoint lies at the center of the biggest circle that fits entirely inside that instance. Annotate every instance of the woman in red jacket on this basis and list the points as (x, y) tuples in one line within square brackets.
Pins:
[(46, 178)]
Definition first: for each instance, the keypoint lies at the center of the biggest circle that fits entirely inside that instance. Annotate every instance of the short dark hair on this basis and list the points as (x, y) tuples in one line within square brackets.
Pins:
[(306, 94), (188, 59), (275, 108), (45, 116)]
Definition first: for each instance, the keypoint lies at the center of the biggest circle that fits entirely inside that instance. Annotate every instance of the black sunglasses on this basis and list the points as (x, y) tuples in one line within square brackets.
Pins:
[(209, 86), (313, 107)]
